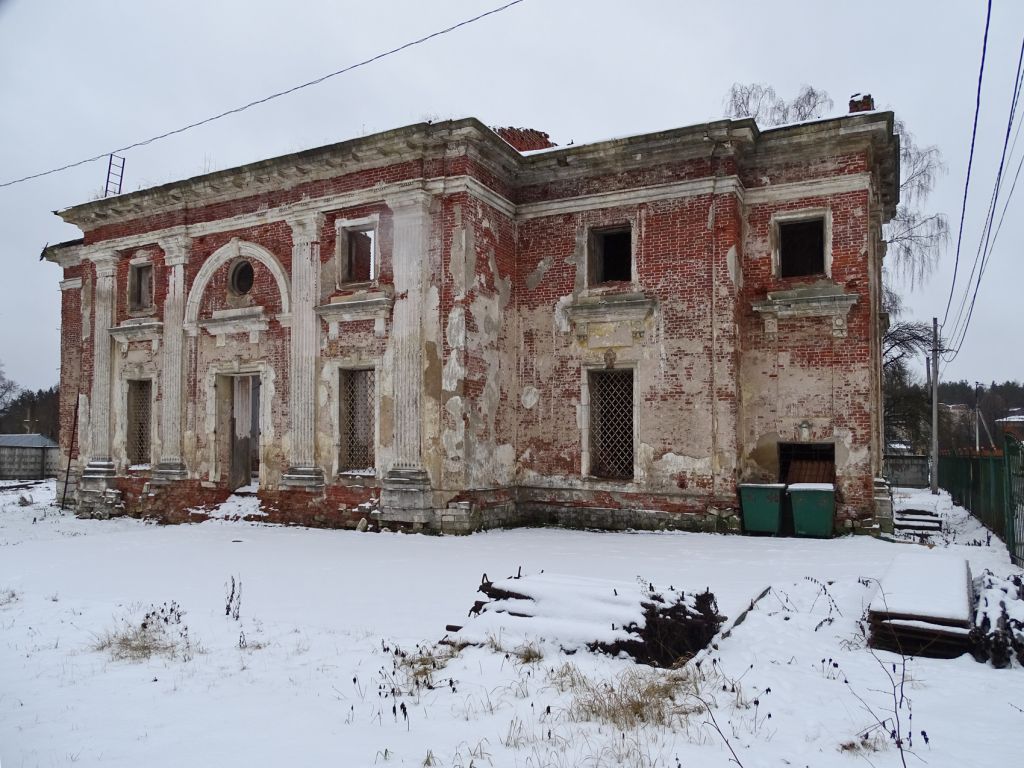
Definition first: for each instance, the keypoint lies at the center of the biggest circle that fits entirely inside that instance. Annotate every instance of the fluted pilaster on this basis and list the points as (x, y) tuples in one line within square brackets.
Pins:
[(304, 347), (99, 402), (176, 252)]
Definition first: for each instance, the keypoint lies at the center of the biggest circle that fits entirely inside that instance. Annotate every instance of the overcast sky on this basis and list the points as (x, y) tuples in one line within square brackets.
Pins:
[(78, 78)]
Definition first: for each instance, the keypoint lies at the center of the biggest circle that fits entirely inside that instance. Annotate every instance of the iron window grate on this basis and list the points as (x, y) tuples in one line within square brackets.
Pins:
[(357, 421), (139, 419), (611, 424)]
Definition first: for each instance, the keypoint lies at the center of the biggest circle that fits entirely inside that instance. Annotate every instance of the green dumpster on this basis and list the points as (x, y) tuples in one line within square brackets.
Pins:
[(814, 509), (762, 506)]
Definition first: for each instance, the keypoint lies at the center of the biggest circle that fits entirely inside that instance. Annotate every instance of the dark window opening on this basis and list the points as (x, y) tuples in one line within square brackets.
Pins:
[(359, 252), (357, 421), (611, 424), (611, 255), (807, 463), (140, 287), (802, 248), (139, 413), (242, 278)]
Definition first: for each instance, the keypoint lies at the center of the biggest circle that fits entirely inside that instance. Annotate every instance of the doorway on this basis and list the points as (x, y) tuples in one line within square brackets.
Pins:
[(239, 422)]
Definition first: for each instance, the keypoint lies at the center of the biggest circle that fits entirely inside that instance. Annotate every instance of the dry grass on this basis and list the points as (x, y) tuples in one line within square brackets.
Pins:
[(529, 653), (8, 596), (159, 633), (420, 666), (664, 698)]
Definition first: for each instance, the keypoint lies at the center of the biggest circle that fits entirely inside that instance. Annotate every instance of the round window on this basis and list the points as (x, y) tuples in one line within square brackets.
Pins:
[(242, 278)]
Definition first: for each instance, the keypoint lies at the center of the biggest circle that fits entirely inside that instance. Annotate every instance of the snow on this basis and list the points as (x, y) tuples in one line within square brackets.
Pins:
[(331, 622), (932, 585), (235, 507), (811, 487)]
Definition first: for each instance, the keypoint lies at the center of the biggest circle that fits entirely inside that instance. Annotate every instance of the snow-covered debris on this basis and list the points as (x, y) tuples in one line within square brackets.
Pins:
[(653, 625)]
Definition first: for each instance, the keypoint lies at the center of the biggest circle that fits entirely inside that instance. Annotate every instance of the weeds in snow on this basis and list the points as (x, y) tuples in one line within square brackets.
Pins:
[(233, 600), (529, 653), (634, 697), (8, 596), (161, 632)]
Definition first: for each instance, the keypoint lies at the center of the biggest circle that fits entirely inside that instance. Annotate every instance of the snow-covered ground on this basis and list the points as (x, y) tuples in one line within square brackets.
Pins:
[(333, 661)]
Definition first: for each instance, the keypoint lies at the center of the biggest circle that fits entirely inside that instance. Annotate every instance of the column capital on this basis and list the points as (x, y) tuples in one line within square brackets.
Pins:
[(105, 260), (410, 201), (306, 227), (176, 249)]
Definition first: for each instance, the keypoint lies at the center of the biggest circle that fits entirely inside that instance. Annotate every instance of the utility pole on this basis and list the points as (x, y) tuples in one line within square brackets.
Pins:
[(935, 405), (977, 436)]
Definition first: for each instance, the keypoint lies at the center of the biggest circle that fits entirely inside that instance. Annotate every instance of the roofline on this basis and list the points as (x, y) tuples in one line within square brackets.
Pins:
[(414, 140)]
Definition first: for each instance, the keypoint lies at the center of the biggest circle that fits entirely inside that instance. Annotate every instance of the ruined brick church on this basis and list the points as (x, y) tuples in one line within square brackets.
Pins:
[(450, 327)]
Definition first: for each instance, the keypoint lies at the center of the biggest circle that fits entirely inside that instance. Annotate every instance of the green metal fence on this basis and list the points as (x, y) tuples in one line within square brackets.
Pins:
[(1014, 495), (992, 489)]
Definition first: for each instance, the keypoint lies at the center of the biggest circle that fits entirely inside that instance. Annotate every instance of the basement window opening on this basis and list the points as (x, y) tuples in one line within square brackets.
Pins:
[(802, 248), (611, 255), (242, 277), (139, 419), (358, 421), (807, 463), (140, 287), (611, 423), (360, 255)]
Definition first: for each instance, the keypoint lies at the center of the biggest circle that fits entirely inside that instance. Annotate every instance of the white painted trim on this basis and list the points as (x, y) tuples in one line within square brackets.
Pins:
[(268, 377), (836, 185), (470, 185), (71, 284), (803, 214), (345, 226), (228, 252), (722, 185)]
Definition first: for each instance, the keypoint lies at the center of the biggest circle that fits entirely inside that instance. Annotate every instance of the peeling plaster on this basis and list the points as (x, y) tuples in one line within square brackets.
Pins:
[(530, 397)]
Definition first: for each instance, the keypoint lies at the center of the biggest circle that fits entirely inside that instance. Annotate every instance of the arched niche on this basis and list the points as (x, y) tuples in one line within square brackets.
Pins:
[(226, 253)]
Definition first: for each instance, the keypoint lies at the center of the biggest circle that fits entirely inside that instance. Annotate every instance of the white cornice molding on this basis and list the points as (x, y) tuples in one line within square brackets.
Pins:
[(722, 185), (137, 330), (795, 190), (418, 192), (227, 322), (365, 305), (72, 283)]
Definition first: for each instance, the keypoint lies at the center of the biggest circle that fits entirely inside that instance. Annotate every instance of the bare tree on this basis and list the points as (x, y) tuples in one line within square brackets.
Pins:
[(915, 237), (8, 390), (761, 102)]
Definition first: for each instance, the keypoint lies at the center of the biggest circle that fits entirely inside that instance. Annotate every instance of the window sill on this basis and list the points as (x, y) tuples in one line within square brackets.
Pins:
[(822, 299), (366, 302), (613, 307)]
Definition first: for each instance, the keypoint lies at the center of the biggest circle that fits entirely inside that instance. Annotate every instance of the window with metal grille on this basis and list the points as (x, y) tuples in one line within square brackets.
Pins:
[(139, 411), (611, 423), (357, 421)]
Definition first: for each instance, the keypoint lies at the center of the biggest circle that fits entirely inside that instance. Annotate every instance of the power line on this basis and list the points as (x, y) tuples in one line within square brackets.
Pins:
[(988, 240), (970, 158), (265, 99)]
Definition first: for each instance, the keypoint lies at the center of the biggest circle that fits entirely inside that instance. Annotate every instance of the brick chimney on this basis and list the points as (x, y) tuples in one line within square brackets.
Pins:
[(525, 139), (861, 103)]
